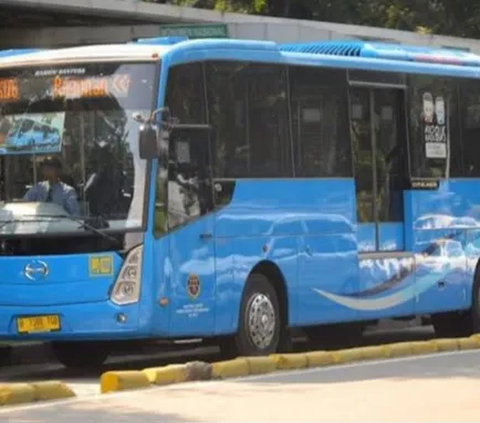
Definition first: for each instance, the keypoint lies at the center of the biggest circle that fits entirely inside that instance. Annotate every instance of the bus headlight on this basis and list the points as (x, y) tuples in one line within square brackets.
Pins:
[(127, 286)]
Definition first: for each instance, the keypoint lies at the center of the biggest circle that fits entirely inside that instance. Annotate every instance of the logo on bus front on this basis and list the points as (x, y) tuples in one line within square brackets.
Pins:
[(36, 270), (193, 286)]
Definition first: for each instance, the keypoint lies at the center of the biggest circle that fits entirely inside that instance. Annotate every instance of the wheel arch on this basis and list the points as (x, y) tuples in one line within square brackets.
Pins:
[(275, 276), (475, 282)]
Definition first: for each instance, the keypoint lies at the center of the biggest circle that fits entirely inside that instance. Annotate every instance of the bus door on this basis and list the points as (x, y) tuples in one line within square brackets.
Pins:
[(191, 238), (378, 131), (380, 154)]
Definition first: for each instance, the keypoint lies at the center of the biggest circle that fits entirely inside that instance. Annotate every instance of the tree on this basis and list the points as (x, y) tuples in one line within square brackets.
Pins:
[(449, 17)]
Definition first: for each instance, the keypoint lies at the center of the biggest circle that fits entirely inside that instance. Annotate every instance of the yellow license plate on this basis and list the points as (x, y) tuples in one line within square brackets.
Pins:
[(38, 324)]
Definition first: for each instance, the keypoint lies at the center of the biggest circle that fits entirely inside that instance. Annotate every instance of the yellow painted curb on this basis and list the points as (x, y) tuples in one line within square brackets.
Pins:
[(51, 390), (468, 343), (475, 336), (290, 361), (123, 380), (260, 365), (174, 373), (400, 349), (18, 393), (375, 352), (319, 359), (445, 345), (427, 347), (22, 393), (241, 366), (347, 356), (230, 368)]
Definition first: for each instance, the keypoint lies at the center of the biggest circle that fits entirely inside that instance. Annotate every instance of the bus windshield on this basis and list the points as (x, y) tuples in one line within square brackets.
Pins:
[(69, 147)]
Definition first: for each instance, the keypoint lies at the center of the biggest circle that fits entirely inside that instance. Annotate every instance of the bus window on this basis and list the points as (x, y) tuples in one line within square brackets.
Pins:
[(433, 125), (470, 115), (320, 122), (185, 94), (189, 176), (248, 108)]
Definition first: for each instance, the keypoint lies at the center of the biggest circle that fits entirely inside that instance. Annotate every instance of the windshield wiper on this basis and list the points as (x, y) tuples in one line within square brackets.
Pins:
[(81, 222)]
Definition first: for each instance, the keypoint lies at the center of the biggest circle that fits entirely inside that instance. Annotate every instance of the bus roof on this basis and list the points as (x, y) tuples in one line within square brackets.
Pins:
[(344, 54), (94, 53)]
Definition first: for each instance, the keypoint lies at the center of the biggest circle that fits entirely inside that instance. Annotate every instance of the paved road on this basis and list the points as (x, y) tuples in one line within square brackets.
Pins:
[(440, 388), (86, 383)]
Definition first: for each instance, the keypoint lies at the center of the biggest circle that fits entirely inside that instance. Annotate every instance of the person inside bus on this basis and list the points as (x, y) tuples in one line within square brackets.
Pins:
[(53, 189)]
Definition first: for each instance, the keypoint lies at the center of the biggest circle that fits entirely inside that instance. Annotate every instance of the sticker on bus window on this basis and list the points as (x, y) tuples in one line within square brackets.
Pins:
[(183, 152), (435, 150), (312, 115), (33, 133), (435, 126), (357, 112), (387, 113), (100, 266)]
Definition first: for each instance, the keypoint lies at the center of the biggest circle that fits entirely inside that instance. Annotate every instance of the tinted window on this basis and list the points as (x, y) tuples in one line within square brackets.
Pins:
[(434, 129), (470, 115), (248, 109), (161, 190), (361, 133), (319, 107), (185, 94), (185, 178), (189, 176)]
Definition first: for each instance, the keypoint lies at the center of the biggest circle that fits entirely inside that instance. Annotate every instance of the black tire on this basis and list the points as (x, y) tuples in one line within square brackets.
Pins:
[(81, 355), (248, 342), (452, 325), (473, 316)]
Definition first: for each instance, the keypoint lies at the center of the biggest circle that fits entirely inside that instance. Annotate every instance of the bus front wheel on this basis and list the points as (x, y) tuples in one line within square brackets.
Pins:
[(81, 355), (259, 323)]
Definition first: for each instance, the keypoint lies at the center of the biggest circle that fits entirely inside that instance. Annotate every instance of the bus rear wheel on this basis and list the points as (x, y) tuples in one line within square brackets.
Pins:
[(81, 355), (259, 323)]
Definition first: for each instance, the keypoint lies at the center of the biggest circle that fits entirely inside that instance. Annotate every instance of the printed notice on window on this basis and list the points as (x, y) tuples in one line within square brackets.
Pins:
[(435, 128), (435, 150)]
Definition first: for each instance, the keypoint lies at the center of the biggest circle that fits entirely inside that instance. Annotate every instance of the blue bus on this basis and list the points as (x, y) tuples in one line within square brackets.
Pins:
[(235, 190)]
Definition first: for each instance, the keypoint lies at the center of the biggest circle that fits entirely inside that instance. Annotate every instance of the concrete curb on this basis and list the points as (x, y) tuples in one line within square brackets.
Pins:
[(22, 393), (247, 366)]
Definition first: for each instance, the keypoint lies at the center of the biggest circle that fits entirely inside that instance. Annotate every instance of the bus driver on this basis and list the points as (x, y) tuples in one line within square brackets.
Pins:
[(52, 189)]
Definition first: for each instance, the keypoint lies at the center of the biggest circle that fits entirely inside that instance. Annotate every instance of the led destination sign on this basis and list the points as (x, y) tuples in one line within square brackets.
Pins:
[(67, 87), (9, 89)]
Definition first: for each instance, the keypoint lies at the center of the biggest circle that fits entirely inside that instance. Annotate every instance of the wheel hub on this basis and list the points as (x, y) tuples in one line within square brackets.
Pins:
[(261, 321)]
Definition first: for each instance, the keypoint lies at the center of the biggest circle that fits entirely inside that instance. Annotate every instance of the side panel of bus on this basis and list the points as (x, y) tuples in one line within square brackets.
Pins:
[(314, 170)]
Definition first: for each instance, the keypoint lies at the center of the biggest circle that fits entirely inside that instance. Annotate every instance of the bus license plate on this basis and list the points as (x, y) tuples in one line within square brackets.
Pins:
[(38, 324)]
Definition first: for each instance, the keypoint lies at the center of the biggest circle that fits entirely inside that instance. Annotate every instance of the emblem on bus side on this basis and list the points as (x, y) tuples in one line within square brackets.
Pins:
[(193, 286), (36, 270)]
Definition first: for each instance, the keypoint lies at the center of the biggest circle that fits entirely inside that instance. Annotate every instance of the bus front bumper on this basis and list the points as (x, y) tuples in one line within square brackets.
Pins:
[(91, 321)]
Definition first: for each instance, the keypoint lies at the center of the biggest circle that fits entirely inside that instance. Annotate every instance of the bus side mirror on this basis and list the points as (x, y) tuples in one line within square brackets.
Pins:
[(148, 145)]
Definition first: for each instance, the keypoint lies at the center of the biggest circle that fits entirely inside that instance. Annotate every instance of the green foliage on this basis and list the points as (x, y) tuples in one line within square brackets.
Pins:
[(449, 17)]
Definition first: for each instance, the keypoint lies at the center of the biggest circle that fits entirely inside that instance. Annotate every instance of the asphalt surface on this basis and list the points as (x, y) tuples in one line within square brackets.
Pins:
[(87, 383), (442, 388)]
